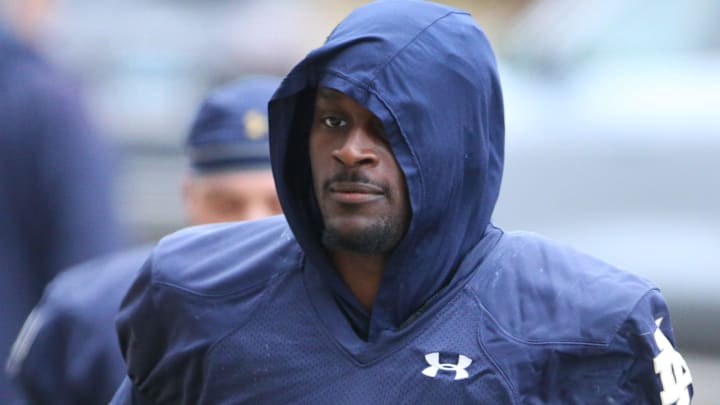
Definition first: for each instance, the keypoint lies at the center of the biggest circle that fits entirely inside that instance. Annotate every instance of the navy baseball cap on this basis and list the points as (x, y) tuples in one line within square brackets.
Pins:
[(230, 129)]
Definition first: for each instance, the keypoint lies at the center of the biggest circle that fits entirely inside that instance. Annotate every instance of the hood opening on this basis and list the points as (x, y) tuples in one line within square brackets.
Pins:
[(441, 105)]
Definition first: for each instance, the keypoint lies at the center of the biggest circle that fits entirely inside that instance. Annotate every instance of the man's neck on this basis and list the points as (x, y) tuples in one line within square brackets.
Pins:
[(361, 273)]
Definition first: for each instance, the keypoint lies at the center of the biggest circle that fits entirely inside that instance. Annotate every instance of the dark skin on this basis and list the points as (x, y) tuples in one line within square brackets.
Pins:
[(360, 189)]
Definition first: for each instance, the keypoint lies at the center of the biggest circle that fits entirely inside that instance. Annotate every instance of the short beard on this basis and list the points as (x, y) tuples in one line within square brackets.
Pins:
[(380, 237)]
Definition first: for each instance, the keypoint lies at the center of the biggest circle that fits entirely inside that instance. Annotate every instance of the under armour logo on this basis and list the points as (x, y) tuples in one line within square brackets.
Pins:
[(433, 359), (672, 369)]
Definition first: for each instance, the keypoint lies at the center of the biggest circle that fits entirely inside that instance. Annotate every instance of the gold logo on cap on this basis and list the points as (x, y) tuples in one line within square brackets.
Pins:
[(256, 125)]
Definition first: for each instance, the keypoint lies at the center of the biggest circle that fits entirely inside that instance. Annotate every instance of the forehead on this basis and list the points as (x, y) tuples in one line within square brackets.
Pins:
[(240, 181), (330, 97), (327, 98), (328, 94)]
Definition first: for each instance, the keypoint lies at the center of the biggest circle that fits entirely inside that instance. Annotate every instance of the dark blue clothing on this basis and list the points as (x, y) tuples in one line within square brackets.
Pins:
[(55, 194), (67, 352), (255, 312)]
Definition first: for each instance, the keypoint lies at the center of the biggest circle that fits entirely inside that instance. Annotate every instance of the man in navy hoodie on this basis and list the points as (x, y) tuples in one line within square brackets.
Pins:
[(385, 282), (68, 351)]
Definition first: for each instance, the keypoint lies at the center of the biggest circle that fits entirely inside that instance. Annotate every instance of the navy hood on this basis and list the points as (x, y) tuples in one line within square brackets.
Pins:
[(428, 72)]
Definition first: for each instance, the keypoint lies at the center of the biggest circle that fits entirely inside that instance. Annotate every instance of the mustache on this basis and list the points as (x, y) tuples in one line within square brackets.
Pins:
[(353, 176)]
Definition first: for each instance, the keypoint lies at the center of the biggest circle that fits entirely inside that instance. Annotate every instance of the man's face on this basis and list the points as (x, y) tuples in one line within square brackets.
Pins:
[(358, 184), (231, 196)]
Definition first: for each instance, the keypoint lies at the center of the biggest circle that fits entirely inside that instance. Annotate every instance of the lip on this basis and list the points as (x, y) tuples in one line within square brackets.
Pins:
[(354, 193)]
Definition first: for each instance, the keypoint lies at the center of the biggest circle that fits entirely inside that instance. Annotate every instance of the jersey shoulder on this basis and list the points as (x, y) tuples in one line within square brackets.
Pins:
[(199, 285), (599, 334), (537, 290), (225, 259)]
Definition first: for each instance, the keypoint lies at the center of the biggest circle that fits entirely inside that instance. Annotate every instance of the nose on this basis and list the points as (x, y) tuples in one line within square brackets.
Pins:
[(357, 149)]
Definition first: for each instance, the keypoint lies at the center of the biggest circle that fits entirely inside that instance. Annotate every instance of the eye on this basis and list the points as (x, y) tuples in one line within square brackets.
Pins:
[(334, 122)]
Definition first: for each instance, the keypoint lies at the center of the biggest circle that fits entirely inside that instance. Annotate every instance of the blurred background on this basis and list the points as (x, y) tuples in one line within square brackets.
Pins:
[(612, 117)]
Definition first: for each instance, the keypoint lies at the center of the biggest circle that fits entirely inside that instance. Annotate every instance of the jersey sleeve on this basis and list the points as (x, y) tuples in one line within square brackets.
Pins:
[(143, 336), (160, 329), (658, 373)]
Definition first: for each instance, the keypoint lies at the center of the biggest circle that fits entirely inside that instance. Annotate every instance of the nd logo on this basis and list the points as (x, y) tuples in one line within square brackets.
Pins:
[(672, 369)]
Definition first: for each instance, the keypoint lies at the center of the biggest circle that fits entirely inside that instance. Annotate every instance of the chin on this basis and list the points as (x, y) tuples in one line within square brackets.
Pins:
[(350, 224), (363, 236)]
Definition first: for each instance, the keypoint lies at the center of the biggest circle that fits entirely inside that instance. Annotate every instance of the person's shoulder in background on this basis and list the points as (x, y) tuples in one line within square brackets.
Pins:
[(69, 339)]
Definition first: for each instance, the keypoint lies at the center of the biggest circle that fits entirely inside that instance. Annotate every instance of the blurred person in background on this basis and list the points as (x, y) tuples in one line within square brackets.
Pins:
[(68, 351), (385, 281), (56, 189)]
